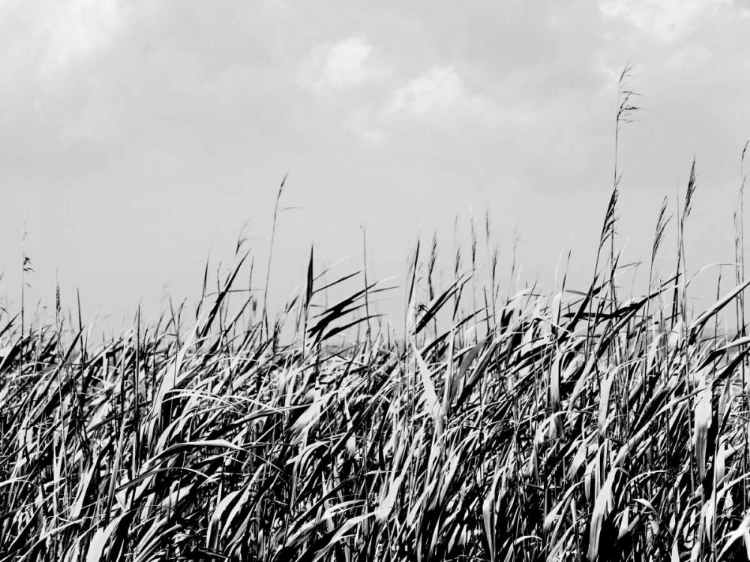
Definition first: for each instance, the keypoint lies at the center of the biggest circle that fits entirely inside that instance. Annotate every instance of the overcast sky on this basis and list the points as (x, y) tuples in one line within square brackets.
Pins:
[(138, 136)]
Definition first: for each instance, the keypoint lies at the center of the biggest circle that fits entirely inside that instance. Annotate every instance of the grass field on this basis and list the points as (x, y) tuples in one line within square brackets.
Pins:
[(576, 425), (573, 426)]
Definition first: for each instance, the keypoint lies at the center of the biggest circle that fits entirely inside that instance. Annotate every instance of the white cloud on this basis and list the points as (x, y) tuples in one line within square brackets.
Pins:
[(665, 20), (342, 66), (49, 37), (363, 125), (440, 97), (374, 136), (78, 30)]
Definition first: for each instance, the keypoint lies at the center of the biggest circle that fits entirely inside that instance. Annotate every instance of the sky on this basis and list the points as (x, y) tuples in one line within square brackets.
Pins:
[(141, 138)]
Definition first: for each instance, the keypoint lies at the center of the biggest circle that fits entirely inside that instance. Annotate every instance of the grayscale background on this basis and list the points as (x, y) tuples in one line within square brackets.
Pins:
[(139, 137)]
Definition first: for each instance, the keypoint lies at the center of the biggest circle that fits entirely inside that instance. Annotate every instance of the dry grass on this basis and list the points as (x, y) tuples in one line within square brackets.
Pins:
[(571, 426), (560, 427)]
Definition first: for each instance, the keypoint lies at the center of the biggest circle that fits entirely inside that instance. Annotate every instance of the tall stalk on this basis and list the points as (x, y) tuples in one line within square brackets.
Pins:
[(270, 255)]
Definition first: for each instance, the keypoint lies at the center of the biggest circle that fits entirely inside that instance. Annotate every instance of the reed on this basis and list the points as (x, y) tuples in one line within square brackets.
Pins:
[(575, 425)]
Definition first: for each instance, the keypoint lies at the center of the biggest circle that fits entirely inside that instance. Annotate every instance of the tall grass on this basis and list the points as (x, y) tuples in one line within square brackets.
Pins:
[(558, 427), (576, 425)]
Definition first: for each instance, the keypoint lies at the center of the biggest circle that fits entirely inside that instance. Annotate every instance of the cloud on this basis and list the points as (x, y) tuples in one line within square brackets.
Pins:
[(47, 38), (439, 97), (80, 29), (343, 66), (367, 127), (374, 136), (664, 20)]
